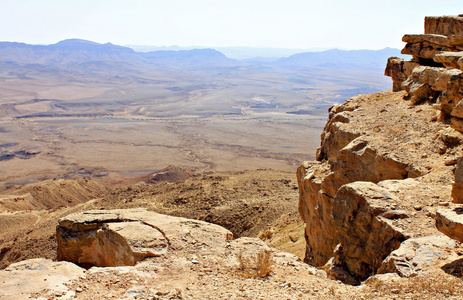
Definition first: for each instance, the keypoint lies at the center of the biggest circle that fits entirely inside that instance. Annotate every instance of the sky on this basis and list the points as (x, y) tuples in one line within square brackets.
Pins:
[(302, 24)]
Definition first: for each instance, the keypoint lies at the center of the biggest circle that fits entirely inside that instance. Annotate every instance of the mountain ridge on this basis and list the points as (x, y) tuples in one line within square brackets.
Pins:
[(76, 51)]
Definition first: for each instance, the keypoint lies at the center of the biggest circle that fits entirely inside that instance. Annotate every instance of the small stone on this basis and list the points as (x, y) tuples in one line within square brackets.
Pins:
[(443, 203), (451, 161), (395, 214), (418, 206), (442, 150)]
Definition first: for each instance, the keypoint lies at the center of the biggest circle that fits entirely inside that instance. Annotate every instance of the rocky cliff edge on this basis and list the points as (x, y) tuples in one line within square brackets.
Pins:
[(386, 165)]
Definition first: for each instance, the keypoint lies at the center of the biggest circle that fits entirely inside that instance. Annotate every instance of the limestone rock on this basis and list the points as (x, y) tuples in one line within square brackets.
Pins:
[(39, 274), (458, 110), (124, 237), (361, 161), (451, 137), (350, 218), (446, 25), (334, 136), (420, 50), (437, 66), (366, 238), (457, 192), (449, 59), (315, 211), (450, 222), (399, 70), (415, 254), (457, 186), (457, 124), (459, 171)]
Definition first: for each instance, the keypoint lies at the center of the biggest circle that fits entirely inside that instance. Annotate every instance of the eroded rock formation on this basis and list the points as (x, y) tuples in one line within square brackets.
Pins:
[(435, 73), (110, 238), (384, 165)]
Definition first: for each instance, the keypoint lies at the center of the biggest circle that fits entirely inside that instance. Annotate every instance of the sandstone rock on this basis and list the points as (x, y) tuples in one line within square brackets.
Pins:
[(459, 171), (458, 110), (315, 211), (335, 268), (360, 161), (351, 219), (437, 63), (454, 42), (436, 39), (366, 238), (450, 222), (457, 124), (449, 59), (457, 192), (334, 140), (124, 237), (457, 187), (399, 70), (421, 84), (39, 274), (451, 137), (415, 254), (446, 25), (420, 50)]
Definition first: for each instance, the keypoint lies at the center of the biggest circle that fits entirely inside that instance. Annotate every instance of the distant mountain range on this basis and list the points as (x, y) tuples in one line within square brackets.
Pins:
[(74, 52), (334, 58)]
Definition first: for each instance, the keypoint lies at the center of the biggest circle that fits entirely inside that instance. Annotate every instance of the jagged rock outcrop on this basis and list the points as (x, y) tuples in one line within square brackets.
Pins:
[(363, 235), (435, 73), (124, 237), (384, 166)]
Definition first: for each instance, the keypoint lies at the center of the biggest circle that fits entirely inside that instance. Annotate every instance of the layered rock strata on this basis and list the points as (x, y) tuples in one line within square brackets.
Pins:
[(435, 73), (380, 157), (382, 170)]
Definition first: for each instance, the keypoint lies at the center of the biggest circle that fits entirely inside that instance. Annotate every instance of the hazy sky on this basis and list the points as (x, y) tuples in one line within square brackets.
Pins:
[(354, 24)]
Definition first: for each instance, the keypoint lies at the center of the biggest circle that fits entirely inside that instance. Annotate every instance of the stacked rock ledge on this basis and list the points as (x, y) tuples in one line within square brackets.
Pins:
[(435, 73), (380, 175)]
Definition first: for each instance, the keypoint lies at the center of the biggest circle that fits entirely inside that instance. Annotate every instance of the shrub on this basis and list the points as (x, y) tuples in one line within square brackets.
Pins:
[(258, 266)]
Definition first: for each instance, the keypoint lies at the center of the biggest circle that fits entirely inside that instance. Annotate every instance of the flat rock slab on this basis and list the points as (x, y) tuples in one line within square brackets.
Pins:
[(415, 254), (123, 237), (450, 223), (21, 279)]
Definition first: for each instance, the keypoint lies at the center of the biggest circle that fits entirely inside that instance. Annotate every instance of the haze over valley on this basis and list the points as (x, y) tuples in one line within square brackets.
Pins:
[(79, 108)]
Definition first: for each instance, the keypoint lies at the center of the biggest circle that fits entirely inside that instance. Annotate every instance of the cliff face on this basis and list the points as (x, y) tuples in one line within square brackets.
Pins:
[(435, 71), (385, 164)]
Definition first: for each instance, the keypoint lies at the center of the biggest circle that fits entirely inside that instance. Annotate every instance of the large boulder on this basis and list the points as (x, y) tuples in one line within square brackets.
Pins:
[(363, 236), (21, 279), (123, 237)]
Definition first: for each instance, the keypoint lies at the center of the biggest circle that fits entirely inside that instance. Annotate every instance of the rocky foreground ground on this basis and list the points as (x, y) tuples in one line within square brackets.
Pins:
[(194, 271), (385, 187)]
